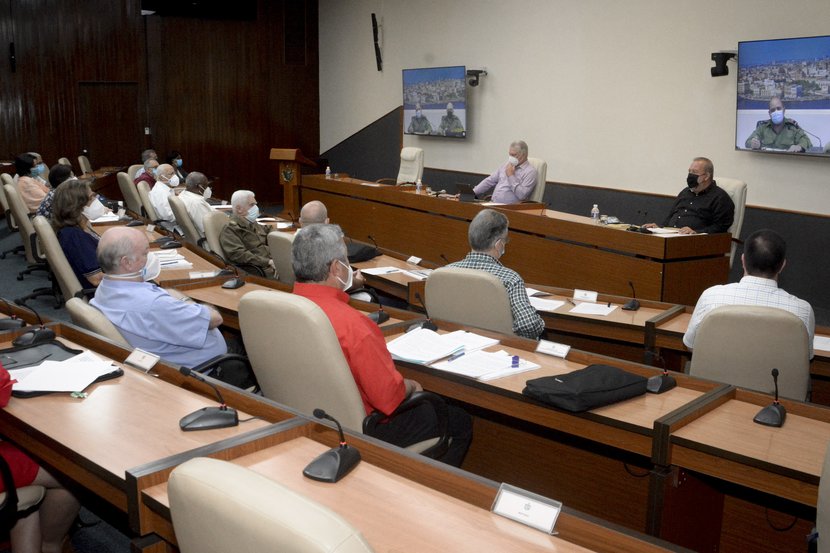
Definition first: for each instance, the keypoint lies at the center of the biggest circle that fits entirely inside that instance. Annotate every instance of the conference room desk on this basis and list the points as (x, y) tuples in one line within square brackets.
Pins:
[(104, 181), (592, 460), (226, 301), (124, 422), (397, 500), (398, 284), (547, 247)]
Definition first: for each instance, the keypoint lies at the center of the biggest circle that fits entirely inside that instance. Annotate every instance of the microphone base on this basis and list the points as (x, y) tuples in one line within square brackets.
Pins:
[(333, 465), (771, 415), (209, 418), (429, 325), (660, 383), (11, 324), (631, 305)]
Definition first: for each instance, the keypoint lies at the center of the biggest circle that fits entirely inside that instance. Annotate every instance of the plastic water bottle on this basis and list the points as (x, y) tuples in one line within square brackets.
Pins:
[(328, 172), (418, 186), (595, 214)]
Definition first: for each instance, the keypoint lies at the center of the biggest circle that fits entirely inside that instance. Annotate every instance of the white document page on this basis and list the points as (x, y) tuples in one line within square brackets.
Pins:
[(593, 309), (821, 343), (380, 271), (106, 218), (546, 305), (484, 366), (423, 346), (534, 292), (472, 341), (71, 375)]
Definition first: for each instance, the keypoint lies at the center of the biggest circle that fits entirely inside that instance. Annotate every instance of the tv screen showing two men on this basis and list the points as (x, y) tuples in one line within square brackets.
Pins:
[(435, 101), (783, 102)]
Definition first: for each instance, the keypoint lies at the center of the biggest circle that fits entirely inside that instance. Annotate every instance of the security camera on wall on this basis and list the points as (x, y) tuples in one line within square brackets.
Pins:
[(474, 75)]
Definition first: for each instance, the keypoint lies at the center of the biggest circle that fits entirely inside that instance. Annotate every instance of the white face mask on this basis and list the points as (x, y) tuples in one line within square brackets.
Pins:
[(207, 193), (173, 182), (94, 210), (253, 213), (348, 283), (150, 271), (513, 160)]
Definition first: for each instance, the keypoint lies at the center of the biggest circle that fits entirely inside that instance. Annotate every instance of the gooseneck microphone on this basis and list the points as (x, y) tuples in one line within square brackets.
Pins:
[(36, 335), (208, 418), (335, 463), (444, 257), (428, 324), (775, 413), (12, 322), (369, 236), (632, 304)]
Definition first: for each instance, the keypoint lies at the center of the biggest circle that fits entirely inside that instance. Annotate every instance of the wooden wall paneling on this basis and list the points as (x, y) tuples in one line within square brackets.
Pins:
[(110, 122)]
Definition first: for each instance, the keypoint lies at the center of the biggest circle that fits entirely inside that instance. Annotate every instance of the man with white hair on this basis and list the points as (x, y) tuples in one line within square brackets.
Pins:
[(166, 182), (514, 181), (244, 240)]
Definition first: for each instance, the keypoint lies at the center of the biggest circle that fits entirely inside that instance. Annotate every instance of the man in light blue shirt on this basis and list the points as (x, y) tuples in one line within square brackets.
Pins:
[(514, 181), (164, 322)]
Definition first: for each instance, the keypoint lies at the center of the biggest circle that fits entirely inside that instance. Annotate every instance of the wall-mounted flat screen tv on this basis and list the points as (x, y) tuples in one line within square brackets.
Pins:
[(784, 96), (435, 101)]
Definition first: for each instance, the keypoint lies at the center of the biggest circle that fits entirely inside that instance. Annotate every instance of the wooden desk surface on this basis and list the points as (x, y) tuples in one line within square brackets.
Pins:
[(394, 514), (122, 423)]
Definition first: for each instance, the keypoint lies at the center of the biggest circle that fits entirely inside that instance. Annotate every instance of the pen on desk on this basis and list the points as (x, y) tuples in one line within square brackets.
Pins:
[(570, 301), (609, 304), (455, 356)]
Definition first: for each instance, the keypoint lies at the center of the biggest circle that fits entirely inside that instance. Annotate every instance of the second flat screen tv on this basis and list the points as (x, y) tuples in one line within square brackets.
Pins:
[(793, 73), (435, 101)]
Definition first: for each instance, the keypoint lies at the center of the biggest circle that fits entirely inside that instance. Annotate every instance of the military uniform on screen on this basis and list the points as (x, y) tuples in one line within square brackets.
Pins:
[(789, 135), (419, 125), (450, 125)]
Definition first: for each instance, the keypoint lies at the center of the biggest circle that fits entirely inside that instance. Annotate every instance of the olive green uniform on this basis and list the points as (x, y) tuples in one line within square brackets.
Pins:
[(419, 125), (246, 243), (450, 124), (789, 135)]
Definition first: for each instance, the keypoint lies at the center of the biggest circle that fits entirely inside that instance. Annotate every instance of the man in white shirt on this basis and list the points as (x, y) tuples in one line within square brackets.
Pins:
[(167, 181), (194, 201), (763, 260)]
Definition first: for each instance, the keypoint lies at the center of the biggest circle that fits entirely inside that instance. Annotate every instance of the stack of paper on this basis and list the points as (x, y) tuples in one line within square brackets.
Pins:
[(71, 375), (171, 259), (423, 346), (380, 271), (484, 366), (587, 308), (472, 341), (107, 218), (546, 305)]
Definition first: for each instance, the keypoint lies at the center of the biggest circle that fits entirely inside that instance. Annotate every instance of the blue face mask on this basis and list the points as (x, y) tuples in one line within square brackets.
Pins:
[(253, 213), (39, 169), (179, 162), (777, 117)]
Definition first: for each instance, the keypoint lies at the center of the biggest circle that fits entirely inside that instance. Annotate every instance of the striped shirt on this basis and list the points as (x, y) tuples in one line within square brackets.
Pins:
[(526, 321), (750, 291)]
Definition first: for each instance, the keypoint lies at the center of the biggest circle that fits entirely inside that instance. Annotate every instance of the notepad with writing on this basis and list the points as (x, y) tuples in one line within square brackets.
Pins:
[(423, 346)]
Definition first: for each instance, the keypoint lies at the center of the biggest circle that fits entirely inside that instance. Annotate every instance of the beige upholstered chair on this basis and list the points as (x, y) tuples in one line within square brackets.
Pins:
[(217, 506), (133, 169), (823, 509), (130, 193), (541, 167), (144, 194), (88, 317), (280, 245), (741, 344), (184, 221), (412, 166), (470, 297), (277, 329), (61, 269), (7, 213), (86, 166), (16, 503), (65, 161), (737, 191), (214, 223)]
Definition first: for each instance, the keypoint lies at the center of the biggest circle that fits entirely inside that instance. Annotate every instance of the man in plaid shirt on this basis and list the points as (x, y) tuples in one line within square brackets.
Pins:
[(488, 238)]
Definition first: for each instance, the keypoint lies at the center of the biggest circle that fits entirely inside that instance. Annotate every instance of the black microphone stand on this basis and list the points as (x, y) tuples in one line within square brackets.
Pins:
[(775, 413), (335, 463)]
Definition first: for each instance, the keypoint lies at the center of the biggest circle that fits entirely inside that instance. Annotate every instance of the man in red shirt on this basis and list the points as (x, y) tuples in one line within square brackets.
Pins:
[(322, 274)]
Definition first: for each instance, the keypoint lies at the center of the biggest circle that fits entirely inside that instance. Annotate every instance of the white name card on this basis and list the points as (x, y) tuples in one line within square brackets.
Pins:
[(414, 260), (553, 348), (585, 295), (528, 508), (151, 228), (142, 360)]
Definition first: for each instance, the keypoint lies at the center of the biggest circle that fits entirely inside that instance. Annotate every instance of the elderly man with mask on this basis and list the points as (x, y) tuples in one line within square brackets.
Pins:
[(148, 173), (166, 182), (321, 266), (244, 240), (163, 322), (488, 239), (194, 201), (778, 132), (419, 124), (514, 181)]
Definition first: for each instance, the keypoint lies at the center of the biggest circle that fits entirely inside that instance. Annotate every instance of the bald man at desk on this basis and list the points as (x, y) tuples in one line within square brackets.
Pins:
[(314, 213)]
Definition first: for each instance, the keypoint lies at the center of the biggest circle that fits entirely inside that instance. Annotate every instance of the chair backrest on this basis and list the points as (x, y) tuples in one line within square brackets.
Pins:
[(277, 328), (541, 167), (25, 228), (737, 191), (144, 194), (55, 256), (86, 166), (280, 245), (4, 203), (65, 161), (412, 164), (823, 508), (214, 222), (741, 344), (469, 297), (87, 316), (133, 169), (256, 514), (129, 192), (183, 220)]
